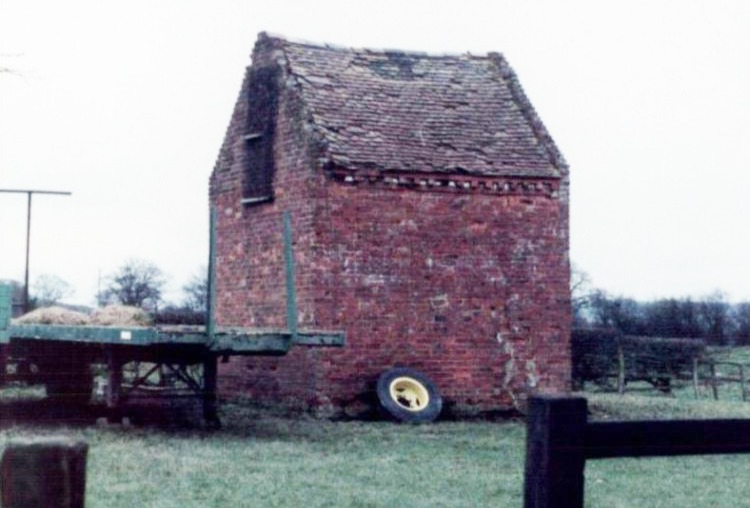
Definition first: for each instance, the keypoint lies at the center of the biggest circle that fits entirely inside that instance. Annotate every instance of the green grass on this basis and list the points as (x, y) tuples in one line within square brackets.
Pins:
[(716, 481), (265, 459), (731, 354), (259, 459)]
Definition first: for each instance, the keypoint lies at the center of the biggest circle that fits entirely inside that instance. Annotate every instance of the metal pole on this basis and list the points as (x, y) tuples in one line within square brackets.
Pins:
[(28, 249), (28, 234)]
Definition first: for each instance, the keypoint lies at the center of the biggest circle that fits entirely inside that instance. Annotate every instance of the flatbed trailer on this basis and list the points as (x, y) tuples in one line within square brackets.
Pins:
[(61, 357)]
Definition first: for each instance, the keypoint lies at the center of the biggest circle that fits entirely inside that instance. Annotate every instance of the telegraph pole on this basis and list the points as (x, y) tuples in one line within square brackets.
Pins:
[(30, 193)]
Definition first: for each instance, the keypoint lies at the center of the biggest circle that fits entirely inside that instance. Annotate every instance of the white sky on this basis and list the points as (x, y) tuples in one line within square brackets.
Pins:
[(126, 104)]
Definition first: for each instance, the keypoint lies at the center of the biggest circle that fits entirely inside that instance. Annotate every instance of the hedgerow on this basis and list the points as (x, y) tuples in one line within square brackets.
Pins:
[(595, 357)]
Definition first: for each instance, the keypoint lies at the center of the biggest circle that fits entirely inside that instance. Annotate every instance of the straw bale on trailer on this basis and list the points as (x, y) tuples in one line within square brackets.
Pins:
[(52, 316), (111, 315), (120, 315)]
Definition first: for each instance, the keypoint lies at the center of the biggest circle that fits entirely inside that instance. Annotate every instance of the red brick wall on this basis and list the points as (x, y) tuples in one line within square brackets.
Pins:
[(250, 266), (469, 286)]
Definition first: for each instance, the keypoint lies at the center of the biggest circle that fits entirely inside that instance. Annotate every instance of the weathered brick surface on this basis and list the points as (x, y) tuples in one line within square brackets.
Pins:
[(464, 276)]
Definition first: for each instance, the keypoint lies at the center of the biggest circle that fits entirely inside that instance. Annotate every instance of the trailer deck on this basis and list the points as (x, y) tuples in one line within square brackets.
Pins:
[(181, 359), (225, 341)]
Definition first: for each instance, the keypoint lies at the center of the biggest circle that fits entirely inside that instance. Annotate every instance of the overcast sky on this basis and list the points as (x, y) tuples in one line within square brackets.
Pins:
[(125, 104)]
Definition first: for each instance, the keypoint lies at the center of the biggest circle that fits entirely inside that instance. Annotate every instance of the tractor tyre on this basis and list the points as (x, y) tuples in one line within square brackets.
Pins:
[(409, 396)]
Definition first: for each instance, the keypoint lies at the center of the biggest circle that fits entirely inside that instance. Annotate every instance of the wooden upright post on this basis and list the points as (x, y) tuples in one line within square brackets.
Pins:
[(695, 378), (6, 307), (714, 381), (620, 369), (49, 474), (291, 291), (211, 293), (114, 387), (210, 361), (5, 311), (210, 402), (555, 457)]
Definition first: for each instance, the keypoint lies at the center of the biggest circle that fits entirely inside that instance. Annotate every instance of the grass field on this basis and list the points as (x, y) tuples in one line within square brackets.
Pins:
[(262, 459)]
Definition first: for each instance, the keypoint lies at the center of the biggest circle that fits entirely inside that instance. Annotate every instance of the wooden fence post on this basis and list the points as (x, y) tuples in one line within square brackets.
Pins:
[(44, 473), (554, 452), (714, 381), (621, 369), (695, 378)]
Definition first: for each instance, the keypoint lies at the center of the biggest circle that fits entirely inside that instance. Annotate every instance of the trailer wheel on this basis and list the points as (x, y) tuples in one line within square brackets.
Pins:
[(408, 396)]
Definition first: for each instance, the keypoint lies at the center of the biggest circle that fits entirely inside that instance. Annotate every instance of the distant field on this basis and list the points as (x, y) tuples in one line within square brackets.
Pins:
[(262, 459)]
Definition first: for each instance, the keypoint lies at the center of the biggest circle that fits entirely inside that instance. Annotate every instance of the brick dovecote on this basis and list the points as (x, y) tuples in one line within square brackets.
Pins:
[(435, 242)]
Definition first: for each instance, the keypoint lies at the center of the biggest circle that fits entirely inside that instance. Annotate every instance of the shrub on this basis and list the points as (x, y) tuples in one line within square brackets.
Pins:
[(651, 357), (593, 355)]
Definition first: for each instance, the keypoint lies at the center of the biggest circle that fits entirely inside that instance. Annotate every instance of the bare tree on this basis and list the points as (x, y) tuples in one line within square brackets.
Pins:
[(137, 282), (618, 313), (714, 317), (196, 291), (50, 289), (672, 317), (741, 318), (580, 294)]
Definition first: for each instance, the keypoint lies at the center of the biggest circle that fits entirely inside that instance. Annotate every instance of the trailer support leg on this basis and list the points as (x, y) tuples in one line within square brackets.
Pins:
[(210, 405), (114, 387), (4, 361)]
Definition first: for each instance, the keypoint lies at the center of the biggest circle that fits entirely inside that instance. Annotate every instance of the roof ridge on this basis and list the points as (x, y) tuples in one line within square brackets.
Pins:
[(373, 50)]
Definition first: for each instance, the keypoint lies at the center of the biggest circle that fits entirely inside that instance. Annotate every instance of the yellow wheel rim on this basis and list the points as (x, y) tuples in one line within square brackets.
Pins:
[(409, 393)]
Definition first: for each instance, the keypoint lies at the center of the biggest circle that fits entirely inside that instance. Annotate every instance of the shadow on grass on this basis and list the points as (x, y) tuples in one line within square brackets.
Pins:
[(46, 412)]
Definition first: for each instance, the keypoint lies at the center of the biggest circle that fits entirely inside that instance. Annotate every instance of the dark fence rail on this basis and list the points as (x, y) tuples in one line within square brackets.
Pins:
[(560, 439)]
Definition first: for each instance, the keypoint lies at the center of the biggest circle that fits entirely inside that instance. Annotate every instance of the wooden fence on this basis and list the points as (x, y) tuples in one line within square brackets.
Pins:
[(560, 440), (712, 378)]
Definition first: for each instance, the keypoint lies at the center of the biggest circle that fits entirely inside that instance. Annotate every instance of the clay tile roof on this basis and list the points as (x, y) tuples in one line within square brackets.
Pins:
[(397, 111)]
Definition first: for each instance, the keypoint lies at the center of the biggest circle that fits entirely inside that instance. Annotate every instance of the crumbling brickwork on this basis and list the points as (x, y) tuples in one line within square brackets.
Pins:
[(430, 218)]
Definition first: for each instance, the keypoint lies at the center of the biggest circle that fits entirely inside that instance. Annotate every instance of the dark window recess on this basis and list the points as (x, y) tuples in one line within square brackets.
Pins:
[(259, 135)]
